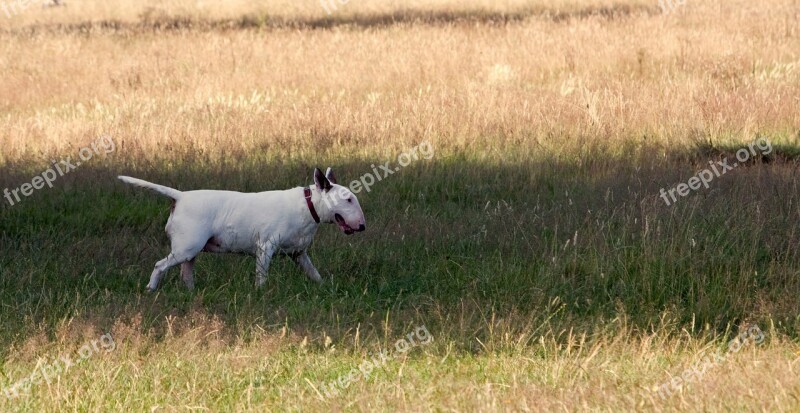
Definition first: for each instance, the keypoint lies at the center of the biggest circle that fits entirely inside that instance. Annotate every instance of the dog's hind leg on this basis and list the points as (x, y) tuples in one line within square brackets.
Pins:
[(187, 269), (161, 268), (183, 252), (304, 262)]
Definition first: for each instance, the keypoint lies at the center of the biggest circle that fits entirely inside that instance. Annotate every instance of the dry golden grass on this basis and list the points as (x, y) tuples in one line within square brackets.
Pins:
[(708, 71), (564, 80), (194, 366)]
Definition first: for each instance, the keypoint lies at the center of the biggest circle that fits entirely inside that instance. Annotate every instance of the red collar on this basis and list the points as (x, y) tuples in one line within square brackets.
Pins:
[(307, 195)]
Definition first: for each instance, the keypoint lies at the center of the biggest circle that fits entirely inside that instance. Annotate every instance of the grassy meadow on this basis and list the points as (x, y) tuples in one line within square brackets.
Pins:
[(534, 246)]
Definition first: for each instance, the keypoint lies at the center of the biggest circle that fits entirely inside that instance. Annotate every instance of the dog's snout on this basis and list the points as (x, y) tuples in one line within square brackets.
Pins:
[(361, 227)]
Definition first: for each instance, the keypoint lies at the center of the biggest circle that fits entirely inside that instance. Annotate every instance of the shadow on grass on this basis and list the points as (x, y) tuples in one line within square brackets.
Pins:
[(151, 22), (467, 248)]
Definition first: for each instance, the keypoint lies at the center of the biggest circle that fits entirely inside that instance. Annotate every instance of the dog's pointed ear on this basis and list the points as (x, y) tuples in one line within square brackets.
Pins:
[(331, 177), (322, 183)]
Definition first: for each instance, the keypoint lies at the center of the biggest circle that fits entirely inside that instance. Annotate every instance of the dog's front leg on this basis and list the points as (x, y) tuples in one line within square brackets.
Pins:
[(265, 250), (304, 262)]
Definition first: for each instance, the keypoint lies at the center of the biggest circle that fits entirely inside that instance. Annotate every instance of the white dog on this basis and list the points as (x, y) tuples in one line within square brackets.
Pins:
[(261, 223)]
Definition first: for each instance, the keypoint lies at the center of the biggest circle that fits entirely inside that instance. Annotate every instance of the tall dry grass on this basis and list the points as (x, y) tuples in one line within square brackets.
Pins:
[(709, 71), (554, 124)]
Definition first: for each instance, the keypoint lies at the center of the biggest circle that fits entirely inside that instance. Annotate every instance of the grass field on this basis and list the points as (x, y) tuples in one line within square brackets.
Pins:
[(532, 263)]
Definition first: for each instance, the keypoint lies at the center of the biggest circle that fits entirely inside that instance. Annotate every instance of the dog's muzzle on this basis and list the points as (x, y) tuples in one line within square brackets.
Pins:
[(347, 229)]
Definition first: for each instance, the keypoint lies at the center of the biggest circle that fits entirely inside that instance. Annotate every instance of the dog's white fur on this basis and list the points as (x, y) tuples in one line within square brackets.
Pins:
[(261, 224)]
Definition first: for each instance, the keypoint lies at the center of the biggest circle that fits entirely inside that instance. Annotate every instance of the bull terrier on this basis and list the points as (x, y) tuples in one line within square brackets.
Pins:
[(259, 224)]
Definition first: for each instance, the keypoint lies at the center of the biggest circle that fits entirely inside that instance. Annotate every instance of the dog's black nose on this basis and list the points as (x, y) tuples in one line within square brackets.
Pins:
[(361, 227)]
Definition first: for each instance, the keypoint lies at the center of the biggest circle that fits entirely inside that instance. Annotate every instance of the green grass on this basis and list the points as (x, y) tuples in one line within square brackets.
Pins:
[(534, 247), (490, 257)]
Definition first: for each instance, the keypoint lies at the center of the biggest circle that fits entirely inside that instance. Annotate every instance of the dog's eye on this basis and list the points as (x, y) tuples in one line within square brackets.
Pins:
[(350, 200)]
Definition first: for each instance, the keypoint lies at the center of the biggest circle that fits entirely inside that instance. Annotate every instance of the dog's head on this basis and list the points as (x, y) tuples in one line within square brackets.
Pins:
[(341, 204)]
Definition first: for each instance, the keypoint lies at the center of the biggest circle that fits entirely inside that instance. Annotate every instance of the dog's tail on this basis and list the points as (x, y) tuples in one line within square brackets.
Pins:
[(163, 190)]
